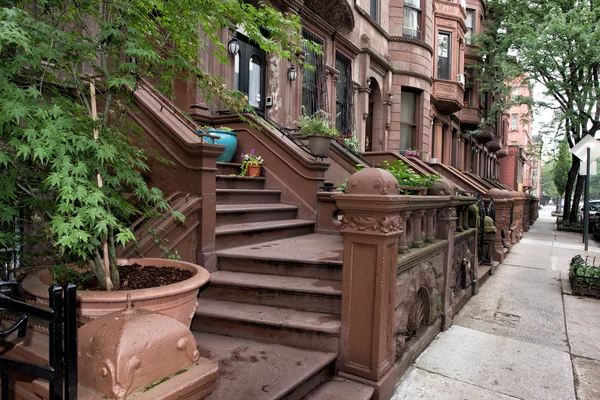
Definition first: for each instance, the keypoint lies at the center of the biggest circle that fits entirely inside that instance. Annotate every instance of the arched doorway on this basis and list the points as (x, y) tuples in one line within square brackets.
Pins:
[(374, 121)]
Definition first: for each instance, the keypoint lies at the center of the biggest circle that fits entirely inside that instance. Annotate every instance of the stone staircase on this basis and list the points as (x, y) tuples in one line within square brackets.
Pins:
[(277, 291)]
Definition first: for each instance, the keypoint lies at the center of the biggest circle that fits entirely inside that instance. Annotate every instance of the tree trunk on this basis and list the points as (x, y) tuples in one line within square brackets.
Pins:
[(576, 198), (569, 189)]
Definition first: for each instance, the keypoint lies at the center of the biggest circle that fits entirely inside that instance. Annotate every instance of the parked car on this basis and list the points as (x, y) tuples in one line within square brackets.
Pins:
[(594, 207)]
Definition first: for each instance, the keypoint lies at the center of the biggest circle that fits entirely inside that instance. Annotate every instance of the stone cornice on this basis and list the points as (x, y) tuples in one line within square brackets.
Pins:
[(416, 42), (370, 19), (426, 78)]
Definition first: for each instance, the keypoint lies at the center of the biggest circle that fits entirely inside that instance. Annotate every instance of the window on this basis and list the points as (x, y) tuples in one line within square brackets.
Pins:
[(470, 26), (412, 19), (254, 81), (515, 91), (374, 10), (514, 124), (408, 119), (343, 96), (311, 78), (444, 53)]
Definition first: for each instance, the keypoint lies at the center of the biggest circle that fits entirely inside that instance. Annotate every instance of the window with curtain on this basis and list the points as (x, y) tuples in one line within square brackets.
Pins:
[(311, 78), (343, 96), (470, 26), (408, 119), (254, 81), (374, 10), (444, 55), (411, 26), (514, 122)]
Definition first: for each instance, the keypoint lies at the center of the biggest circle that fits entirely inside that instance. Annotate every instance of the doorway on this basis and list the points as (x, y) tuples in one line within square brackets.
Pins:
[(250, 72)]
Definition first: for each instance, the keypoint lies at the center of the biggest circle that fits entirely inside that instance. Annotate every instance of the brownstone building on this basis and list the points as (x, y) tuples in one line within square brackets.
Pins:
[(393, 74)]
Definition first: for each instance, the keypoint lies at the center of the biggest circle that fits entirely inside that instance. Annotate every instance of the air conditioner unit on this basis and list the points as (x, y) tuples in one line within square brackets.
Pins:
[(461, 79)]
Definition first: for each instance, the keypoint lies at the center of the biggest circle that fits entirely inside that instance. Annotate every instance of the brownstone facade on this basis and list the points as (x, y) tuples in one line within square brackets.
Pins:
[(394, 74)]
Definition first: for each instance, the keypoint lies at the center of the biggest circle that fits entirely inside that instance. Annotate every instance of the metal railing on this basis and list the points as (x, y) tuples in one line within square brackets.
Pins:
[(61, 371)]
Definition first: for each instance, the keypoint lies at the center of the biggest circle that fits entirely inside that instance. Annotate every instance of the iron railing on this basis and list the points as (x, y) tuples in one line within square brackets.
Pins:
[(61, 371), (479, 204)]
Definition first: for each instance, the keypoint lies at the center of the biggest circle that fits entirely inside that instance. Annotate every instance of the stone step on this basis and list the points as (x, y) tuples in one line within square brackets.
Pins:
[(231, 235), (341, 389), (240, 182), (329, 270), (317, 331), (228, 168), (303, 294), (242, 213), (264, 371), (247, 196)]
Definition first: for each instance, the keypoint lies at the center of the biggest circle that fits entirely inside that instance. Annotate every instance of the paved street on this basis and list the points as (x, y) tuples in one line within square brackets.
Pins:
[(524, 336)]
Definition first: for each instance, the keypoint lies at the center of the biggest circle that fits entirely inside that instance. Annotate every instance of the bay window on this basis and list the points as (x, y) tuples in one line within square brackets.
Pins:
[(444, 53)]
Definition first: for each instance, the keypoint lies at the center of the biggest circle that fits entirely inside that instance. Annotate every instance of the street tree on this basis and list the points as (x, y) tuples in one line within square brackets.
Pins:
[(560, 172), (553, 43)]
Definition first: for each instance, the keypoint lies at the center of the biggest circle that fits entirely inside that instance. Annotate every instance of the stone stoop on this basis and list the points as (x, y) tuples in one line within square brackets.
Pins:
[(275, 298)]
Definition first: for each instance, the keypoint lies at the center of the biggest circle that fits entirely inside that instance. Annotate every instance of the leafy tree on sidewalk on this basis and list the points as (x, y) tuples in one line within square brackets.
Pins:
[(560, 171), (553, 43)]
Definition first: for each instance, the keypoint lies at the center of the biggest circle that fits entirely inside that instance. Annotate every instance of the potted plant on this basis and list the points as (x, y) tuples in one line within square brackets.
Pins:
[(409, 181), (319, 131), (251, 164), (225, 137)]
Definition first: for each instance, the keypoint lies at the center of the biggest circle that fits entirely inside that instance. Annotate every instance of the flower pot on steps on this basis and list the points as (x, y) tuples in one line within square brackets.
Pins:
[(177, 300), (254, 170)]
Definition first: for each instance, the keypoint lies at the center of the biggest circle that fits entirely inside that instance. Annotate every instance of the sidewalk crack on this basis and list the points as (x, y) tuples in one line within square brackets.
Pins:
[(471, 384)]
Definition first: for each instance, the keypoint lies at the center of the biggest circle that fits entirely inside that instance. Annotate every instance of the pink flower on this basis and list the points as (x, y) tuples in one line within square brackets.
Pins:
[(252, 151)]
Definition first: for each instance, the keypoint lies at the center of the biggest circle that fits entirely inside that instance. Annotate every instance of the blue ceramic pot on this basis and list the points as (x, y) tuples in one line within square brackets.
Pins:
[(227, 139)]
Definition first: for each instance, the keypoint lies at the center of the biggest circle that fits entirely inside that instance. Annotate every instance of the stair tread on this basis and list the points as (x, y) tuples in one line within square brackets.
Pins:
[(277, 283), (267, 315), (341, 389), (249, 191), (232, 164), (238, 177), (261, 226), (314, 248), (230, 208), (249, 369)]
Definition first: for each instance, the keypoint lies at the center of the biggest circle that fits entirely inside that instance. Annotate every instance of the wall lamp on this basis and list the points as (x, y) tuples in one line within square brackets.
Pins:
[(292, 73), (233, 47), (390, 96)]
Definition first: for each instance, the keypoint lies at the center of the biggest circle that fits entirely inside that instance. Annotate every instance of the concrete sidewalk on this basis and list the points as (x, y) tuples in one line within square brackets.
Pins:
[(524, 336)]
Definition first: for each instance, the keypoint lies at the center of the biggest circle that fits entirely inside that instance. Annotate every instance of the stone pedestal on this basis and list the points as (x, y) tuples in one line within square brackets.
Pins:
[(503, 202), (371, 227), (519, 204)]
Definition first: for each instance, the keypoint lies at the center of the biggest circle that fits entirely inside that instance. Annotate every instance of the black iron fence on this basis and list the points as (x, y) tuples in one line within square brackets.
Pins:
[(61, 370)]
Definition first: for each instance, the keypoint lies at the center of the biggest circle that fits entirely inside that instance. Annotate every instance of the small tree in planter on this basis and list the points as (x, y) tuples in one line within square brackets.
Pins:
[(69, 171), (319, 130)]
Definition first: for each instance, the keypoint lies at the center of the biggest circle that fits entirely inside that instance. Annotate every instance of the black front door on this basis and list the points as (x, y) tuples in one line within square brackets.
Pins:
[(250, 66)]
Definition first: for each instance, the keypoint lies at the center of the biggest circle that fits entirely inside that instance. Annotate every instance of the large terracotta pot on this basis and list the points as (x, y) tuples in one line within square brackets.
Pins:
[(177, 300)]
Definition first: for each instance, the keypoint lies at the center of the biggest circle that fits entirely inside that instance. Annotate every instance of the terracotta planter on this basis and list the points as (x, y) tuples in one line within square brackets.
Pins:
[(177, 300), (254, 170), (319, 145)]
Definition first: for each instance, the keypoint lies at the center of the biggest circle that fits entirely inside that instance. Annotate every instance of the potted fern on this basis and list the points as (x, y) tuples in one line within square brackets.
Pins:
[(319, 131)]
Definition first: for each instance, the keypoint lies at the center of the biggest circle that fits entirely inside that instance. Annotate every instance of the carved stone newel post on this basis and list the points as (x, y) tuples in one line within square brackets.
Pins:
[(371, 226)]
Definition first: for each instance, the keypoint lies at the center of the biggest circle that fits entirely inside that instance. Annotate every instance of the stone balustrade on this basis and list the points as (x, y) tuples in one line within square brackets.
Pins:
[(409, 265)]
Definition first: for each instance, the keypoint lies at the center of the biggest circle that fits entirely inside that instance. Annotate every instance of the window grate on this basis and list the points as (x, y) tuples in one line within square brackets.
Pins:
[(344, 118), (313, 87)]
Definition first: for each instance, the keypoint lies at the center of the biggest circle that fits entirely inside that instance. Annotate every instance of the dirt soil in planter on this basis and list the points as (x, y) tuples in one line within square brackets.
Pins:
[(138, 277)]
